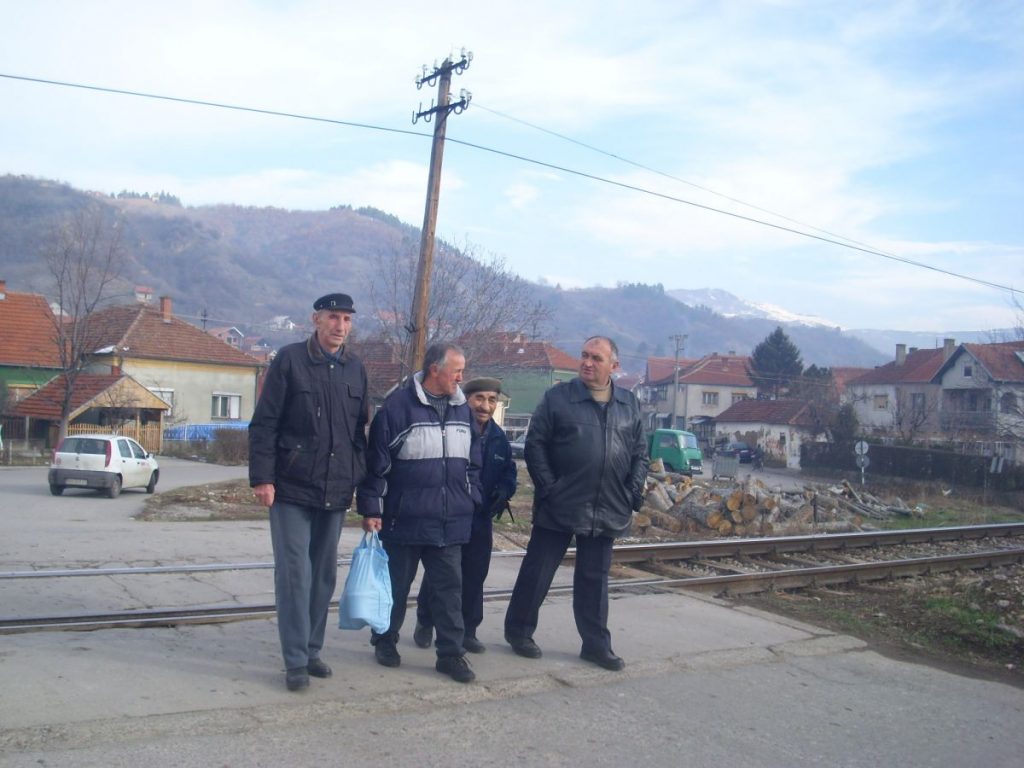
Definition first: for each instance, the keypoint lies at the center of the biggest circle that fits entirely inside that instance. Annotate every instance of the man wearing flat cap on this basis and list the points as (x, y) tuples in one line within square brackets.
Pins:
[(307, 446), (498, 484)]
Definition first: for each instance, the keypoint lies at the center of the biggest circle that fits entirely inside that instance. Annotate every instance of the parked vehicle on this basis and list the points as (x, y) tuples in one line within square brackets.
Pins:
[(677, 449), (740, 450), (103, 462), (518, 447)]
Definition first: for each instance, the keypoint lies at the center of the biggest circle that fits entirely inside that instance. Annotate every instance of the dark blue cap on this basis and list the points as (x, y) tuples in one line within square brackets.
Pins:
[(336, 302)]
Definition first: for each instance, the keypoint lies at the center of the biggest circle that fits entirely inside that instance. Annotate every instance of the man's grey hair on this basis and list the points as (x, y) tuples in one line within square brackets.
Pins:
[(612, 344), (437, 354)]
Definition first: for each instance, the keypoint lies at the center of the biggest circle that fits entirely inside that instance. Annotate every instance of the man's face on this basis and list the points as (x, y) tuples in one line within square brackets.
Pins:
[(483, 405), (332, 328), (597, 365), (445, 380)]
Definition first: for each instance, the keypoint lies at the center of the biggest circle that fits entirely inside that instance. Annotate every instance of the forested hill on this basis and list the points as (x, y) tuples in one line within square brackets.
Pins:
[(246, 265)]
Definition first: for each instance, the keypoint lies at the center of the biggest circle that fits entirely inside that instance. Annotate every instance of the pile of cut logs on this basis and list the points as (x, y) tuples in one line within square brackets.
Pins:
[(678, 504)]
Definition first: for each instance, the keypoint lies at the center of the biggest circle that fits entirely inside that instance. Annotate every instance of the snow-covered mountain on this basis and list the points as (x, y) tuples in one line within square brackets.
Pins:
[(729, 305), (885, 341)]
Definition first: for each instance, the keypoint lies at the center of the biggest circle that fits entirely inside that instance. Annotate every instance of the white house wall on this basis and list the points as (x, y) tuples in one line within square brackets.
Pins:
[(194, 386), (768, 437)]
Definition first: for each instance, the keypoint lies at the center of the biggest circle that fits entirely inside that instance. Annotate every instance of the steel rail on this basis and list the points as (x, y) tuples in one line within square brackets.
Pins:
[(625, 553), (733, 583), (774, 545)]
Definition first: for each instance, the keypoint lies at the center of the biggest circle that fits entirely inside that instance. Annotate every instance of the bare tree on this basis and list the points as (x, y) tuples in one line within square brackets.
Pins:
[(84, 256), (473, 297), (914, 412)]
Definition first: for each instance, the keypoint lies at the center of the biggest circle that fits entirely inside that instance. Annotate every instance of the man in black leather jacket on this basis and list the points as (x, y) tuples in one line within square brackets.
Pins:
[(307, 446), (587, 456)]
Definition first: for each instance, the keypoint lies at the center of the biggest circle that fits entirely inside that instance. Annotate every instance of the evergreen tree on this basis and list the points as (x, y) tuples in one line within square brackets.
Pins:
[(776, 362)]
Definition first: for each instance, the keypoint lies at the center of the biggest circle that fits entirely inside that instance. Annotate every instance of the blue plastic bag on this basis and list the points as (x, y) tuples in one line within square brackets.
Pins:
[(366, 598)]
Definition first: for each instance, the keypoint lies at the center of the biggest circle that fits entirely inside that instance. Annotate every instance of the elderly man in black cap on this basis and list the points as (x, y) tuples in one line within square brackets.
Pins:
[(498, 484), (307, 445)]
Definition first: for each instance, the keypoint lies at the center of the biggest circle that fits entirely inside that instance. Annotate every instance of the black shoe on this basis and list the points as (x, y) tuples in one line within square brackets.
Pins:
[(524, 646), (605, 659), (423, 636), (456, 667), (317, 668), (296, 678), (386, 653), (471, 644)]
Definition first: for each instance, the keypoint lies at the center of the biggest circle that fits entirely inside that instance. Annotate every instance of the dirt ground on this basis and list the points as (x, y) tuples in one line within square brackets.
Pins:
[(971, 623)]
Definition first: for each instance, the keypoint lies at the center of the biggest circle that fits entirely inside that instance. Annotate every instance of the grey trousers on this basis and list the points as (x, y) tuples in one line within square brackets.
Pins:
[(305, 541)]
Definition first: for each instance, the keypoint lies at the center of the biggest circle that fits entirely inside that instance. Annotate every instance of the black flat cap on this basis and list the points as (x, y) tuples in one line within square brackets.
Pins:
[(481, 384), (338, 302)]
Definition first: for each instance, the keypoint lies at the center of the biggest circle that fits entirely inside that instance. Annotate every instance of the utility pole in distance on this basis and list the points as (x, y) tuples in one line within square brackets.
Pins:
[(680, 340), (442, 75)]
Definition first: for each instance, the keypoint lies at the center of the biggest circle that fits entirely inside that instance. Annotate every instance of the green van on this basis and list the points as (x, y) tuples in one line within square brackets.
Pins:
[(677, 449)]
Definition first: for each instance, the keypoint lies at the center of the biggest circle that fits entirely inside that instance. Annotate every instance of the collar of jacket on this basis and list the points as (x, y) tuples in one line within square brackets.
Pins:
[(317, 355), (578, 392), (417, 382)]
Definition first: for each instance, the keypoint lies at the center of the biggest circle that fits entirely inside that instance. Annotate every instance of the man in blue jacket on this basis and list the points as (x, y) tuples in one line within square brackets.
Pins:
[(420, 492), (307, 441), (498, 485), (587, 457)]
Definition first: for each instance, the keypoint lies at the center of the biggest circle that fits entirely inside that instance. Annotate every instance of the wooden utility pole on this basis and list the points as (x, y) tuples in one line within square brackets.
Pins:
[(442, 75), (680, 340)]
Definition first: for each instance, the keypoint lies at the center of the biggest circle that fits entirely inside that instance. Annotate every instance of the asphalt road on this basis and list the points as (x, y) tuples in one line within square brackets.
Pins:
[(707, 683)]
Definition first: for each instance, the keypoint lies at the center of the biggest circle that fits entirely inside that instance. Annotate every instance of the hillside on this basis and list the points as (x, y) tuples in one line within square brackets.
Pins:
[(245, 265)]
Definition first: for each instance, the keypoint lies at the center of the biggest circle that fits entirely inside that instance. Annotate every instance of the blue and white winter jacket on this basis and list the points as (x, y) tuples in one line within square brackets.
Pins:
[(422, 476)]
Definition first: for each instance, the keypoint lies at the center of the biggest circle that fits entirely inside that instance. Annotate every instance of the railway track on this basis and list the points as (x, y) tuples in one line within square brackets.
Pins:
[(726, 566)]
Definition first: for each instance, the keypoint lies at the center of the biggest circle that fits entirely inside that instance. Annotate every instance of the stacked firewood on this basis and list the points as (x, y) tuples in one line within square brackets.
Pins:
[(678, 504)]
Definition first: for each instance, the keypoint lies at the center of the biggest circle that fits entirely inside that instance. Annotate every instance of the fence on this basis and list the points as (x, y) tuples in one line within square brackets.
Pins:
[(918, 464), (200, 432), (147, 435)]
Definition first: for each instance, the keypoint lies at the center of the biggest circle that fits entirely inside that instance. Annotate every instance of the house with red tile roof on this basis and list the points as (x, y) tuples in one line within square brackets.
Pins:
[(982, 391), (706, 387), (99, 403), (527, 369), (777, 427), (202, 378), (29, 356), (901, 397)]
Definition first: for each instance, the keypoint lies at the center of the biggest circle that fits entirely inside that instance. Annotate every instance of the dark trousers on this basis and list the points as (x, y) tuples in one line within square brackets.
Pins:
[(443, 566), (544, 553), (476, 562), (305, 542)]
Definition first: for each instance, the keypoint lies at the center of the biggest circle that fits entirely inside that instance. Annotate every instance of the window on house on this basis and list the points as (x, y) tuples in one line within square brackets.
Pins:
[(738, 396), (710, 398), (968, 371), (917, 403), (881, 402), (226, 406), (1008, 403)]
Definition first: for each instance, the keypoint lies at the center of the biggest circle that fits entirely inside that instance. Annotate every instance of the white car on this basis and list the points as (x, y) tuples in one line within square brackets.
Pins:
[(104, 462)]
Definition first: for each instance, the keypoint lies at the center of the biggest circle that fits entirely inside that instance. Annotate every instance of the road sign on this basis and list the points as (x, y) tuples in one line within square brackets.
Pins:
[(863, 461), (861, 448)]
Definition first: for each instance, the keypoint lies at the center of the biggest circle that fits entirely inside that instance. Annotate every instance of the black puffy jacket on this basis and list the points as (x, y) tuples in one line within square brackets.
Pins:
[(308, 432), (588, 461)]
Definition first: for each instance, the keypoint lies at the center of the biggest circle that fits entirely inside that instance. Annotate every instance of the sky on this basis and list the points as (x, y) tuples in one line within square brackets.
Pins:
[(606, 142)]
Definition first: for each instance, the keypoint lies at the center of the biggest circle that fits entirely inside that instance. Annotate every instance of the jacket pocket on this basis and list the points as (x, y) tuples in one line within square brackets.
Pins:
[(296, 458)]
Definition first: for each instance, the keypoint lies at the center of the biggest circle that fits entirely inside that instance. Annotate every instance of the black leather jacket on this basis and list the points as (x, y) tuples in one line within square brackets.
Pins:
[(308, 432), (588, 461)]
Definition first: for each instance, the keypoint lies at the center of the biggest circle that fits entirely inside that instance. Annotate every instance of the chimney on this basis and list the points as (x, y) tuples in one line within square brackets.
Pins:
[(948, 347), (3, 290), (165, 308), (901, 354)]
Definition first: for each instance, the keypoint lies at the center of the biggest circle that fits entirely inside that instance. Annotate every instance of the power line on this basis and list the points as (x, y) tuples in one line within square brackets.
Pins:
[(670, 176), (850, 244)]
